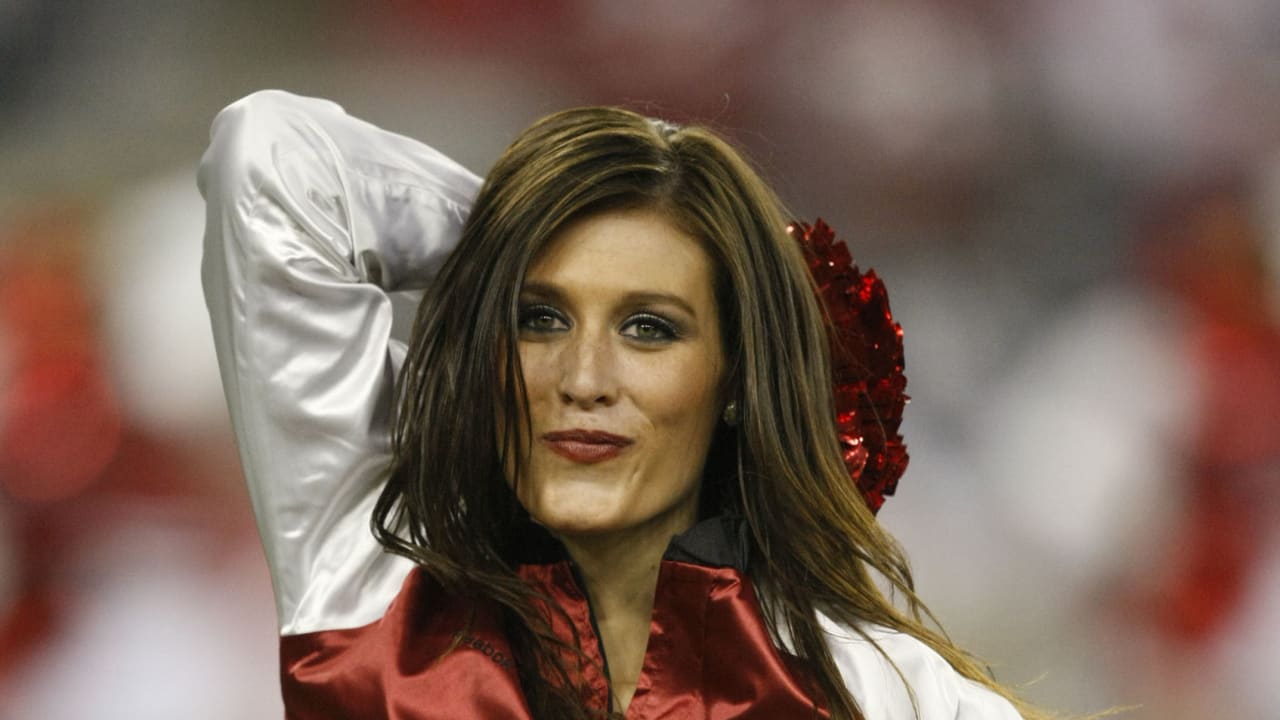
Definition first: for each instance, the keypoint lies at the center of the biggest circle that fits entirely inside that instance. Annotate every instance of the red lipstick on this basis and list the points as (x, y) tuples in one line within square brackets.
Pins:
[(586, 446)]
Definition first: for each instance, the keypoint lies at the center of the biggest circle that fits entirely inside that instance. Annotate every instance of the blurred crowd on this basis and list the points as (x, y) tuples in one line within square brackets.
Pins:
[(1075, 206)]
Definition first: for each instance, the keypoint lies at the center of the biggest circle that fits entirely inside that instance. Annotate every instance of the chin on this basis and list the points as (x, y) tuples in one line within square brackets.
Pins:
[(585, 512), (576, 527), (574, 515)]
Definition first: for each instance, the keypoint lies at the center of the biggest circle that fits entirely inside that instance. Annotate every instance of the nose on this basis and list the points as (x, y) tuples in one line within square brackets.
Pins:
[(588, 373)]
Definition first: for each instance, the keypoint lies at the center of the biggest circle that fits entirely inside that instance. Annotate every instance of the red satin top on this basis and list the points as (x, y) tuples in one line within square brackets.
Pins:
[(709, 654)]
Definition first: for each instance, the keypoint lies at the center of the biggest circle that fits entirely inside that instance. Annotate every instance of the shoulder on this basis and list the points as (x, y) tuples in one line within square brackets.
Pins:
[(879, 665)]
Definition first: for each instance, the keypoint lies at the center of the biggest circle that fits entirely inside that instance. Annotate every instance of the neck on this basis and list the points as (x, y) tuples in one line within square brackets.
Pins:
[(620, 568), (620, 573), (619, 576)]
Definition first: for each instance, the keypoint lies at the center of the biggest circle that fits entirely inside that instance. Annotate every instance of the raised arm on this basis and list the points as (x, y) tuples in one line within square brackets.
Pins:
[(315, 222)]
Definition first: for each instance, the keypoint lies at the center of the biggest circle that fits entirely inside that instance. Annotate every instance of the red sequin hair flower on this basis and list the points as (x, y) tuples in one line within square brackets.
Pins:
[(866, 362)]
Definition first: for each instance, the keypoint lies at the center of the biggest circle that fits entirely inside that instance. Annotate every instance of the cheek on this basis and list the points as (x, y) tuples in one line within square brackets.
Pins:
[(535, 374), (508, 423), (683, 398), (536, 368)]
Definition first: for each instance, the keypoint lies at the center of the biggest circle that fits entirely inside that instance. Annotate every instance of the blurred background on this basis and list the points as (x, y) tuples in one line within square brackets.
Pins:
[(1075, 206)]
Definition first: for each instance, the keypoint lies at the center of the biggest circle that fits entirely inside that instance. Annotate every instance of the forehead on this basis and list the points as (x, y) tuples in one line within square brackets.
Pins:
[(633, 250)]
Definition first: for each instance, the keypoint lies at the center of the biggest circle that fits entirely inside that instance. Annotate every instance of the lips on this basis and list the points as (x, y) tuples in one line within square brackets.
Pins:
[(586, 446)]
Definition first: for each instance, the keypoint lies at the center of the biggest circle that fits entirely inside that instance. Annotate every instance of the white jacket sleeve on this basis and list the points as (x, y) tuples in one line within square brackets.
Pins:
[(881, 686), (316, 222)]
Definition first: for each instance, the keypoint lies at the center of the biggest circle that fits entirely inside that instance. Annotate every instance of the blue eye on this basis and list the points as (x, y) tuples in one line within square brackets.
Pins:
[(541, 319), (650, 328)]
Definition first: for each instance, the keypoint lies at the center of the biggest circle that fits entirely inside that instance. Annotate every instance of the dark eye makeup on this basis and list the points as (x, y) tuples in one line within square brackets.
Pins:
[(648, 327), (643, 327), (541, 318)]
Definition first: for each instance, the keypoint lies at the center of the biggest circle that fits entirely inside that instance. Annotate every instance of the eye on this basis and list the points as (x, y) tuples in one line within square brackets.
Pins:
[(541, 319), (649, 328)]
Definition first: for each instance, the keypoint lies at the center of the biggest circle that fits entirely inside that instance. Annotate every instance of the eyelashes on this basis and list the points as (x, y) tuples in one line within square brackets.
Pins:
[(643, 327), (648, 327), (541, 319)]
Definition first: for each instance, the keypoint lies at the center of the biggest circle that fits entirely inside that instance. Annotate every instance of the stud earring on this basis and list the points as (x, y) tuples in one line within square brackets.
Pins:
[(731, 413)]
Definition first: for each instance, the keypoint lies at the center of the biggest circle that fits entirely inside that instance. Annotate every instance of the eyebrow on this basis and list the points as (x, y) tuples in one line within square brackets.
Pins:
[(636, 297)]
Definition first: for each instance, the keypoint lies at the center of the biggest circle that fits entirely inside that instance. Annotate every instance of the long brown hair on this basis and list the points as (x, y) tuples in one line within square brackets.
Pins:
[(816, 546)]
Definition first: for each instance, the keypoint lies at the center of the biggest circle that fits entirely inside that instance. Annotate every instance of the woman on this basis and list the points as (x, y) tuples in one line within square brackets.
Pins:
[(605, 464)]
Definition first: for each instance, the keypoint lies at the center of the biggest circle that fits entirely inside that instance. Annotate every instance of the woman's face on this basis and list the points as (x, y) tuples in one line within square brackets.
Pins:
[(622, 360)]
